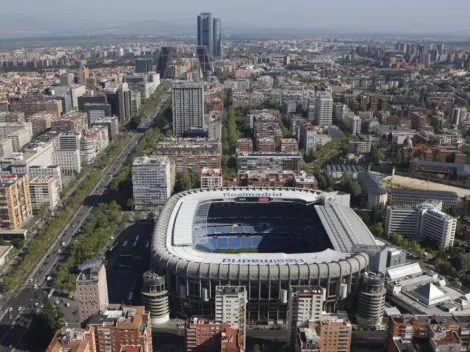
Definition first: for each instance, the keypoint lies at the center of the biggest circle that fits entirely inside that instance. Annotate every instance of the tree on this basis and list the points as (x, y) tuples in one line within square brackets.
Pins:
[(257, 348), (151, 216), (377, 229)]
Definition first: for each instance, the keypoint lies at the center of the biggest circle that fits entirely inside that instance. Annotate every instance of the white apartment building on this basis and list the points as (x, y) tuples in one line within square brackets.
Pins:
[(93, 142), (44, 171), (44, 191), (323, 109), (153, 179), (35, 154), (353, 123), (230, 308), (68, 160), (214, 125), (6, 147), (20, 138), (211, 178), (424, 220), (305, 303)]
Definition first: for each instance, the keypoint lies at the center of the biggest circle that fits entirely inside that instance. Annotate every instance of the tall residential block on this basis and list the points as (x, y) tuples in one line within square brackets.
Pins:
[(211, 178), (44, 191), (83, 75), (230, 307), (323, 109), (188, 107), (91, 292), (153, 179), (15, 202), (305, 303), (204, 31)]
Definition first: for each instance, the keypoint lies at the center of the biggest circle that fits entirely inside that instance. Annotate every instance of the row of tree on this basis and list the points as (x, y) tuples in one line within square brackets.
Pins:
[(97, 235), (412, 246), (39, 245)]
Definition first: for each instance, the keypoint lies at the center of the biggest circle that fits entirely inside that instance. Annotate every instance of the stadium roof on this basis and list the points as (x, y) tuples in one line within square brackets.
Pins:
[(343, 226)]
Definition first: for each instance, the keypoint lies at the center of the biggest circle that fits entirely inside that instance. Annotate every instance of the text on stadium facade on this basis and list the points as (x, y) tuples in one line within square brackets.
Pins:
[(252, 194), (262, 261)]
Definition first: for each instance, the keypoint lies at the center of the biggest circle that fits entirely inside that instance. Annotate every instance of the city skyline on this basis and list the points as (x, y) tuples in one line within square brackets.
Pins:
[(301, 16)]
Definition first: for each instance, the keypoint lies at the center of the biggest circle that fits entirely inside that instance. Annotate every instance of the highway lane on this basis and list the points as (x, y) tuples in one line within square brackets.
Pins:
[(26, 296)]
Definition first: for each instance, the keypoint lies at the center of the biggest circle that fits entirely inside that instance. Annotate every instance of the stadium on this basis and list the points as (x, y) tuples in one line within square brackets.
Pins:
[(265, 239)]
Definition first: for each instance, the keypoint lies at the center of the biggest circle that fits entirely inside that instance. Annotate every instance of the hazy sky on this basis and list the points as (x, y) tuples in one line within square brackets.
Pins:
[(434, 16)]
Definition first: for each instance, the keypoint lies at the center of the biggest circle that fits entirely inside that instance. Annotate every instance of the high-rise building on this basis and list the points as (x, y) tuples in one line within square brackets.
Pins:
[(308, 137), (230, 308), (15, 202), (153, 179), (305, 303), (167, 54), (83, 75), (66, 79), (217, 40), (371, 301), (204, 31), (121, 326), (124, 102), (143, 65), (154, 296), (91, 292), (204, 60), (188, 107), (323, 109), (96, 111)]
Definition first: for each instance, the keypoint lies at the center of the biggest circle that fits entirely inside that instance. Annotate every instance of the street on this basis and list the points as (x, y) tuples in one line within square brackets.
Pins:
[(22, 300)]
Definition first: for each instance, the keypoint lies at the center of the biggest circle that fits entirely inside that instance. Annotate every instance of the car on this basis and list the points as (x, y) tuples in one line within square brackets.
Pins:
[(19, 308), (36, 286), (57, 301), (31, 281), (67, 304), (10, 309), (36, 304), (10, 316)]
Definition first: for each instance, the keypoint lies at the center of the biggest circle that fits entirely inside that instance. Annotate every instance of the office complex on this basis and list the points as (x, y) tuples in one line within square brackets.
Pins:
[(401, 196), (323, 109), (91, 292), (154, 296), (192, 154), (217, 37), (305, 304), (188, 107), (15, 202), (424, 220), (153, 179), (204, 60), (204, 31), (120, 326), (211, 178), (230, 308), (371, 301), (195, 228)]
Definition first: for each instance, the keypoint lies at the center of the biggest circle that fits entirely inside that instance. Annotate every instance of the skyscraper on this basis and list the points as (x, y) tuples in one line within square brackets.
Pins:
[(217, 37), (204, 31), (143, 65), (188, 107), (91, 291), (167, 53), (323, 109)]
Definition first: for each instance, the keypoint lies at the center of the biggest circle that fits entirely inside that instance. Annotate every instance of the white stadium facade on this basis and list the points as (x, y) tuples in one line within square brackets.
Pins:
[(265, 239)]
